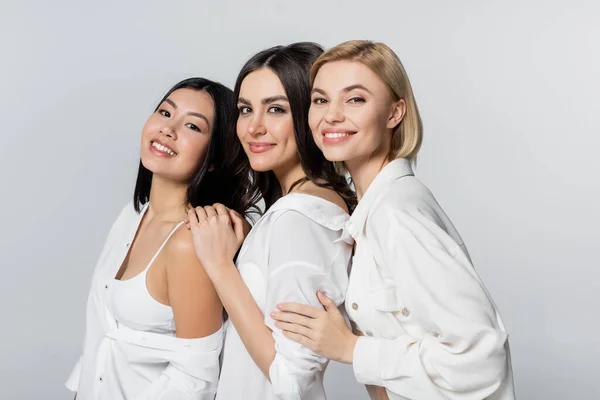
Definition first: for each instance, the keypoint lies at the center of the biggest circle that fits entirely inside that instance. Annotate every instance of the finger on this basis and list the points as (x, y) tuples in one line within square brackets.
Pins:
[(192, 217), (238, 225), (302, 330), (220, 209), (303, 340), (201, 214), (302, 309), (210, 211), (186, 221), (293, 318), (329, 305)]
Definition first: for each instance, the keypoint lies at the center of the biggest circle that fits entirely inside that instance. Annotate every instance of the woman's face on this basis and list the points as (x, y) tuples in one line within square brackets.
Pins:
[(175, 138), (265, 126), (352, 113)]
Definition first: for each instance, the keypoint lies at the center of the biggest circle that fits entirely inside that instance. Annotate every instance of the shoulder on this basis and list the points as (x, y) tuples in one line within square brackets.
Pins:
[(180, 246), (406, 201), (325, 194)]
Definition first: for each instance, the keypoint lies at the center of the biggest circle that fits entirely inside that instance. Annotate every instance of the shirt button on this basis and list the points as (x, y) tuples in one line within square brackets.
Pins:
[(105, 286), (354, 306), (369, 333), (127, 245), (405, 312), (100, 379)]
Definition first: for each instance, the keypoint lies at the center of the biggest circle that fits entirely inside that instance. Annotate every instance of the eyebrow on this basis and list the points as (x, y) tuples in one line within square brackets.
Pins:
[(192, 113), (273, 99), (266, 100), (346, 89)]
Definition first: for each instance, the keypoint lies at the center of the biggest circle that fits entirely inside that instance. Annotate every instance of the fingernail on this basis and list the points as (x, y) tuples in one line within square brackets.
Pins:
[(280, 306), (273, 314), (277, 323)]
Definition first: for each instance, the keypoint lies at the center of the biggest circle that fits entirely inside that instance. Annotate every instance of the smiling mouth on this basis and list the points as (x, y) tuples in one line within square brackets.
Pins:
[(336, 135), (163, 149)]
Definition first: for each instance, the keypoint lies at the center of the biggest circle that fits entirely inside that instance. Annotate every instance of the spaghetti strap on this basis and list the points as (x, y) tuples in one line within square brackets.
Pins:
[(163, 244)]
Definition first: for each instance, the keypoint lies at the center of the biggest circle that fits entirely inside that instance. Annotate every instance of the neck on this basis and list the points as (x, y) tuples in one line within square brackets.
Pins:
[(363, 170), (167, 199), (287, 176)]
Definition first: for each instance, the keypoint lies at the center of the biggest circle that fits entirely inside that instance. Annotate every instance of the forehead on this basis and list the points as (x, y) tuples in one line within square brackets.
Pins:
[(260, 84), (191, 100), (337, 75)]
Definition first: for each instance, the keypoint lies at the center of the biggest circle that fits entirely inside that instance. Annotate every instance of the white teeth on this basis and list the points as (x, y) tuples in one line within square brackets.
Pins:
[(163, 149), (335, 135)]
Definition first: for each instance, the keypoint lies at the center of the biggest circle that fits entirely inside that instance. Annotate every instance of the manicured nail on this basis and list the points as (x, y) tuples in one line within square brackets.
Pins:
[(280, 306), (273, 314)]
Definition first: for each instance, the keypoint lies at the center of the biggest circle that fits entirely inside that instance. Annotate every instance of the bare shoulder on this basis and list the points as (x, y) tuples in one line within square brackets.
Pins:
[(180, 251), (324, 193)]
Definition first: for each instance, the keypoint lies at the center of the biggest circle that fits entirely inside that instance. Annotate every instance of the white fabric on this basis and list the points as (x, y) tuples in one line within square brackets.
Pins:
[(431, 329), (133, 305), (295, 249), (119, 362)]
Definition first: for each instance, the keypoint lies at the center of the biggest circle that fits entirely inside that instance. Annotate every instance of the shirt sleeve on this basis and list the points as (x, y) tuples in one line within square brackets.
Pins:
[(176, 384), (72, 382), (303, 259), (463, 352)]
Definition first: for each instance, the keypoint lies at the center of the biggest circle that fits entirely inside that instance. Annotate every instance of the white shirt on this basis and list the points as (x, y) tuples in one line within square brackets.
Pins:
[(123, 362), (432, 330), (295, 249)]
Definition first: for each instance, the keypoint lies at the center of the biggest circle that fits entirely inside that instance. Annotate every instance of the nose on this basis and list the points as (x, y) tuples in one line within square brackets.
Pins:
[(168, 131), (335, 113), (256, 126)]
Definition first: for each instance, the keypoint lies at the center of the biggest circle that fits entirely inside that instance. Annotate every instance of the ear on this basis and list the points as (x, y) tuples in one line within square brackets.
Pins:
[(398, 111)]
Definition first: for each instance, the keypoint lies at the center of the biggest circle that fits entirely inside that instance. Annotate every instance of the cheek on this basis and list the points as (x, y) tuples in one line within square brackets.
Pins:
[(283, 131), (241, 128), (194, 150), (314, 118)]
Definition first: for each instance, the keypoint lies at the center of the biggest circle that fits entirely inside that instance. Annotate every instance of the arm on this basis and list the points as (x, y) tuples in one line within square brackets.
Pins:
[(198, 313), (292, 275), (463, 353)]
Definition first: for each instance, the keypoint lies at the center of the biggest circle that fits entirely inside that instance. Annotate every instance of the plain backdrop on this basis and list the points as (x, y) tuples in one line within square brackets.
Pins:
[(508, 92)]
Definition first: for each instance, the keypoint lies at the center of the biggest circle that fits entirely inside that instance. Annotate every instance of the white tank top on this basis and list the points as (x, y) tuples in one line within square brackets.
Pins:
[(133, 305)]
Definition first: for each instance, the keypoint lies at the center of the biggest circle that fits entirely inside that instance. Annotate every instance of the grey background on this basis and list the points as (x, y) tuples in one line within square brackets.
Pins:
[(508, 93)]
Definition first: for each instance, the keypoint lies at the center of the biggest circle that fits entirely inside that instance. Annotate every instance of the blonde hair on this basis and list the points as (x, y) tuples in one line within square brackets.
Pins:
[(408, 135)]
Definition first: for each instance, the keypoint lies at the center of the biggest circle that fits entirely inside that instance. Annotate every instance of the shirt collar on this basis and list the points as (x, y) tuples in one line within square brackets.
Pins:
[(394, 170)]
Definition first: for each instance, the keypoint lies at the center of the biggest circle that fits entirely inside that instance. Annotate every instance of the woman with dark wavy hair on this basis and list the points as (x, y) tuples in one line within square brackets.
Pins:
[(295, 249), (154, 319)]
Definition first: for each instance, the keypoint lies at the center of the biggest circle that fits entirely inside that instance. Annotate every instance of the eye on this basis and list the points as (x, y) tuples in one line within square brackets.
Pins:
[(245, 110), (193, 127), (356, 99), (276, 110), (164, 113), (319, 100)]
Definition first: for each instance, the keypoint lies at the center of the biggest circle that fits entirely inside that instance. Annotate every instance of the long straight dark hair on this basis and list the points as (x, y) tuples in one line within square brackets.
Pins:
[(212, 183), (292, 65)]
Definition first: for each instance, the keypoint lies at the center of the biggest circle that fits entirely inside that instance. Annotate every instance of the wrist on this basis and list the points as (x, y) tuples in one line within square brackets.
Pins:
[(219, 271), (350, 344)]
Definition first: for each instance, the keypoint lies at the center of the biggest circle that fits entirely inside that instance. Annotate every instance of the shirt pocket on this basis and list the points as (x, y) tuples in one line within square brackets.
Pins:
[(394, 317)]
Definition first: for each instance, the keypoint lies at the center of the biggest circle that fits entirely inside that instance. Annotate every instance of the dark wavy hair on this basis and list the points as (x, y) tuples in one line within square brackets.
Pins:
[(212, 183), (292, 65)]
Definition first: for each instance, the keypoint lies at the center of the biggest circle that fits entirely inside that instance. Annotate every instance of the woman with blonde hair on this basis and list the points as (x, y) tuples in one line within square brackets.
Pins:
[(426, 327)]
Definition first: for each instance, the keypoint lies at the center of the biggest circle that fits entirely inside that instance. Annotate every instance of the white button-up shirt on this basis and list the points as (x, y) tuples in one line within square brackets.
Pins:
[(121, 363), (294, 250), (431, 328)]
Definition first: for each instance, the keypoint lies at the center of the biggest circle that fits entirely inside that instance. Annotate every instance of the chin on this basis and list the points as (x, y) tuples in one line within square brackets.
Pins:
[(336, 155)]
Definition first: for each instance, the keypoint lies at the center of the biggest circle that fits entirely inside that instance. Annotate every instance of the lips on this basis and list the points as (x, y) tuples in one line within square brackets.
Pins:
[(336, 135), (161, 149), (260, 147)]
